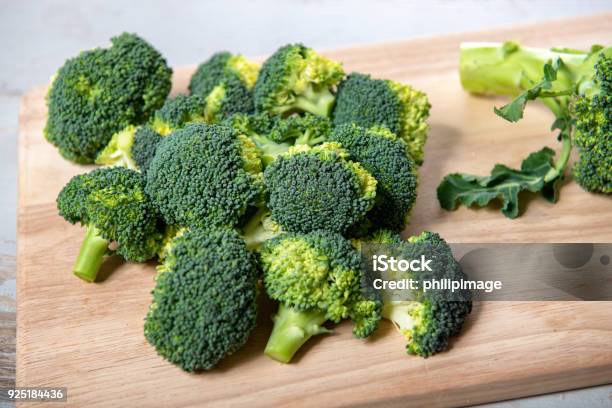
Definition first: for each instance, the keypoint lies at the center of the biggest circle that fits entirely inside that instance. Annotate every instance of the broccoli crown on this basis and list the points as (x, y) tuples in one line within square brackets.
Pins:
[(319, 271), (144, 147), (102, 91), (204, 301), (318, 188), (178, 112), (204, 175), (371, 103), (387, 159), (593, 131), (297, 79), (220, 67), (226, 99), (112, 200), (430, 318)]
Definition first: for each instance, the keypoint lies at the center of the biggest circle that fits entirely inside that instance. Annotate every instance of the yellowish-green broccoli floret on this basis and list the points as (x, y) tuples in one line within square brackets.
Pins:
[(316, 277), (297, 79), (111, 203)]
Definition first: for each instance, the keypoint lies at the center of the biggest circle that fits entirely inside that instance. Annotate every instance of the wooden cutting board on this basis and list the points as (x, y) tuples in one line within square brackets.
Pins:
[(88, 337)]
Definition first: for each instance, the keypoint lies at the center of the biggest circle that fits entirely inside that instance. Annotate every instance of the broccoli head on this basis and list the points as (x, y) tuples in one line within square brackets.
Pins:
[(226, 82), (316, 277), (318, 188), (204, 302), (593, 131), (427, 319), (111, 203), (297, 79), (178, 112), (204, 175), (370, 103), (386, 157), (103, 91)]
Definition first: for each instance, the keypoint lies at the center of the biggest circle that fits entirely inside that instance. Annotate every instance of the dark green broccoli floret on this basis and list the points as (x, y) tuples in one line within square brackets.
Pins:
[(178, 112), (593, 132), (226, 82), (427, 319), (369, 103), (144, 147), (220, 67), (316, 277), (297, 79), (318, 188), (103, 91), (274, 135), (386, 157), (111, 203), (204, 302), (204, 175)]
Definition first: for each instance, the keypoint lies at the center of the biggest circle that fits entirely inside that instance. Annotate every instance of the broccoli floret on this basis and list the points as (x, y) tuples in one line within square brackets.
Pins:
[(593, 131), (204, 175), (226, 82), (316, 277), (144, 147), (297, 79), (318, 188), (118, 151), (388, 104), (386, 157), (427, 319), (574, 85), (220, 67), (204, 302), (100, 92), (178, 112), (274, 135), (111, 203)]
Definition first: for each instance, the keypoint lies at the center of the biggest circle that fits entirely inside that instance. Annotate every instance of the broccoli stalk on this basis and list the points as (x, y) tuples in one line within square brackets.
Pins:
[(293, 328), (316, 101), (118, 152), (91, 255), (574, 85)]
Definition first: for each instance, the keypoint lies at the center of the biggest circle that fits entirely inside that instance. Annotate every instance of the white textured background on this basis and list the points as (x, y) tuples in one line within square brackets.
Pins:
[(37, 36)]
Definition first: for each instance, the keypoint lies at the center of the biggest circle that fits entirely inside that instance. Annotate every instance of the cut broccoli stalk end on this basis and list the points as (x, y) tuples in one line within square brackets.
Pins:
[(91, 255), (317, 102), (293, 328)]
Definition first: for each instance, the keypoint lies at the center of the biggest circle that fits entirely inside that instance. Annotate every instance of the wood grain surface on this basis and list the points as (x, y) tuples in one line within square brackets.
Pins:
[(88, 337)]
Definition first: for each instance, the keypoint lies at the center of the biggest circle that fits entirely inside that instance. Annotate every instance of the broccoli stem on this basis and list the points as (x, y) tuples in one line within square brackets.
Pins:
[(91, 255), (254, 232), (293, 328), (566, 149), (316, 102), (510, 69), (269, 149)]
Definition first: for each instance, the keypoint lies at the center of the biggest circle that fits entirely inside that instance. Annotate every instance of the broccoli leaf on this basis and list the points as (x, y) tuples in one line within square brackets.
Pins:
[(513, 112), (503, 184)]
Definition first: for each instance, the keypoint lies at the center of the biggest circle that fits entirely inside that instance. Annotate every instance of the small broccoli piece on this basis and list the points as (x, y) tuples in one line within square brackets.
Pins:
[(274, 135), (178, 112), (226, 82), (297, 79), (593, 132), (101, 92), (204, 175), (428, 319), (144, 147), (369, 103), (386, 157), (111, 203), (204, 302), (220, 67), (316, 277), (318, 188)]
